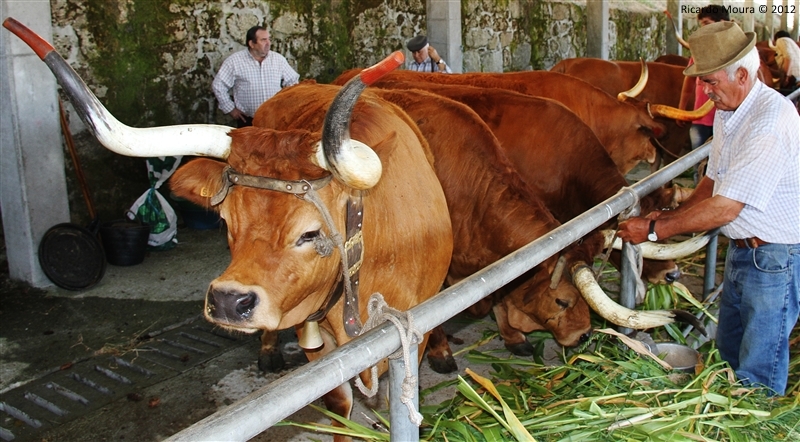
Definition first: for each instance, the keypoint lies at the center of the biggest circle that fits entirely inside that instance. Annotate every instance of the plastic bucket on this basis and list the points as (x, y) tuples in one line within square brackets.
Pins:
[(125, 242)]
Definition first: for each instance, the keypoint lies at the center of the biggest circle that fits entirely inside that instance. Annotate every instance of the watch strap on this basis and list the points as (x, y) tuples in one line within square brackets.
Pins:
[(652, 231)]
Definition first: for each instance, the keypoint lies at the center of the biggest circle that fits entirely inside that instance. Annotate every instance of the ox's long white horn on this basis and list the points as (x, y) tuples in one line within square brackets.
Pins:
[(639, 86), (189, 139), (677, 34), (353, 162), (583, 278), (662, 110), (652, 250)]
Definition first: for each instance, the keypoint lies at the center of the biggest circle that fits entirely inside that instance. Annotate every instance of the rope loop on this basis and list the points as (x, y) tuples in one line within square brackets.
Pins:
[(379, 312), (634, 256)]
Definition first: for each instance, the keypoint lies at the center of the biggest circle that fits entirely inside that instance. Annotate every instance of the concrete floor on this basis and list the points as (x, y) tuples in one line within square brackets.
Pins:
[(47, 333)]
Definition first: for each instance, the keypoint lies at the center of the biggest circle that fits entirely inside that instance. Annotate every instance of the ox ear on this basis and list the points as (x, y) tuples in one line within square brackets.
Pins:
[(521, 321), (198, 180)]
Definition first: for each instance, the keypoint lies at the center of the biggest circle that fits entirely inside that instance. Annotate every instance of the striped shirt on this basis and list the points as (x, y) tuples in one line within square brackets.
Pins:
[(755, 160), (427, 65), (252, 83)]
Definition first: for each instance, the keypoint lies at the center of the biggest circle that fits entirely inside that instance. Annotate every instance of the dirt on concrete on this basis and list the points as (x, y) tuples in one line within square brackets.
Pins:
[(50, 335)]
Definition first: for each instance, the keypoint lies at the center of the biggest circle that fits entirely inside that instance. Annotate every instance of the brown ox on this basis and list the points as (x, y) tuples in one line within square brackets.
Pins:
[(663, 87), (577, 178), (623, 130), (495, 213), (273, 190), (677, 60)]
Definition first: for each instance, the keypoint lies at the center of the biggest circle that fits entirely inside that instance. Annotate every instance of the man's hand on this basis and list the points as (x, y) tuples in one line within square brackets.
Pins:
[(634, 230), (238, 115), (433, 54)]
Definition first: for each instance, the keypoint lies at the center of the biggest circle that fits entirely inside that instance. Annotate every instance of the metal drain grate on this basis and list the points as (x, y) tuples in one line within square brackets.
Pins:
[(59, 397)]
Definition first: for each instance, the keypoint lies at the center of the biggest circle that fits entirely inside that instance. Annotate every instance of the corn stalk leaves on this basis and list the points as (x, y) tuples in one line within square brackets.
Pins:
[(512, 424)]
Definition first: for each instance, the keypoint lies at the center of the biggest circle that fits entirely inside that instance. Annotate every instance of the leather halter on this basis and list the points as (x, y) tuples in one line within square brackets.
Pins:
[(353, 245), (231, 177)]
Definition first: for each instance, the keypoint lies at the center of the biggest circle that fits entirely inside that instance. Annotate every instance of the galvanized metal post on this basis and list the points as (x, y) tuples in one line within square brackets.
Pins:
[(402, 428), (627, 283), (628, 274), (710, 273)]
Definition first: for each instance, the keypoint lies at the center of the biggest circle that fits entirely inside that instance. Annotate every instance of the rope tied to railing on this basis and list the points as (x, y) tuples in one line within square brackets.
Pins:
[(633, 254), (379, 311)]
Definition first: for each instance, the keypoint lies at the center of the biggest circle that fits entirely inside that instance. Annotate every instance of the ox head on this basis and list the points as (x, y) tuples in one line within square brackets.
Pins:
[(550, 301), (269, 215)]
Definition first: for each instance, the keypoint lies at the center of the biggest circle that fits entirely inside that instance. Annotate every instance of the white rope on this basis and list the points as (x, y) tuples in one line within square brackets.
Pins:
[(634, 256), (379, 312)]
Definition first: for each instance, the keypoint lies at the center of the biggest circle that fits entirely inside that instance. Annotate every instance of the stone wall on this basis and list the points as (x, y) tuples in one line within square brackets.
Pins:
[(151, 62)]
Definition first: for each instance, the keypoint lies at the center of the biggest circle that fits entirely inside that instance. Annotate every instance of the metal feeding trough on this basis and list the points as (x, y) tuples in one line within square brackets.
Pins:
[(680, 357)]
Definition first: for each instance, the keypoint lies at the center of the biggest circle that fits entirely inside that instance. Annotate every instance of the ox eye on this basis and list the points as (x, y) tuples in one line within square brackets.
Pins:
[(561, 303), (307, 237)]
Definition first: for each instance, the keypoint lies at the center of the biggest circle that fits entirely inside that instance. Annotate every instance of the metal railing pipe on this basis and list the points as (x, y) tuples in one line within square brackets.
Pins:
[(269, 405)]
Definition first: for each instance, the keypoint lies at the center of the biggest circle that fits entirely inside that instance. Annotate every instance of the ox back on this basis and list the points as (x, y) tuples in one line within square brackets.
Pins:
[(623, 130), (663, 87)]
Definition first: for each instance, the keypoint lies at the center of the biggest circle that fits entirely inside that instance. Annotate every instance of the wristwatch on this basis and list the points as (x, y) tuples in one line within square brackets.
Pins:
[(441, 61), (652, 236)]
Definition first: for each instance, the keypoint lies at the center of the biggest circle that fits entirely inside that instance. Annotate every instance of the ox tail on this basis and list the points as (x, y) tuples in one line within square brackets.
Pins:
[(352, 162), (195, 139)]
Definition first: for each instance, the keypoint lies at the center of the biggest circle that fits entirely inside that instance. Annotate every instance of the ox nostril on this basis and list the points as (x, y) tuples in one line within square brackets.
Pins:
[(585, 337), (672, 276), (230, 307), (245, 304)]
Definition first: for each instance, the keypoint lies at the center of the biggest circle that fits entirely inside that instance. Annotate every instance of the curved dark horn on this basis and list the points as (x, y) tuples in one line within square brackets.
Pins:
[(662, 110), (188, 139), (638, 87), (677, 34), (353, 162)]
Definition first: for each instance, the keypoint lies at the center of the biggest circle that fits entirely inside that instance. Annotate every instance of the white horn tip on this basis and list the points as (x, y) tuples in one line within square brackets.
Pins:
[(369, 169)]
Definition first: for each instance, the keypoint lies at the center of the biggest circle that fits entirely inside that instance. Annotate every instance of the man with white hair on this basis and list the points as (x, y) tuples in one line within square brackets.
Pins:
[(752, 192), (424, 56)]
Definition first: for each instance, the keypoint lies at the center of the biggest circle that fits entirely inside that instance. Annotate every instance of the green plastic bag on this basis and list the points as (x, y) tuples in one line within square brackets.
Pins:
[(153, 209)]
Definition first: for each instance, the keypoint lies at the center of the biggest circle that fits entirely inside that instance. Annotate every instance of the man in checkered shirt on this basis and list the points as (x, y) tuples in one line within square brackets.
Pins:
[(752, 192), (250, 77)]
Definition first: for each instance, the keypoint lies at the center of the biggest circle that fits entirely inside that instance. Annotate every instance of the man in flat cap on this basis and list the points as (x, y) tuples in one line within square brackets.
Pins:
[(425, 57), (752, 192)]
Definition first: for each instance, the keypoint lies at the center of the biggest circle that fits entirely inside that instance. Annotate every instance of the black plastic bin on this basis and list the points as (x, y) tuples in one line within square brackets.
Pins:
[(124, 241)]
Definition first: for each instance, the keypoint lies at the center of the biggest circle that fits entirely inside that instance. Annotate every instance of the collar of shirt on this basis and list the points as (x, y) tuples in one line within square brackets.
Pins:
[(732, 119)]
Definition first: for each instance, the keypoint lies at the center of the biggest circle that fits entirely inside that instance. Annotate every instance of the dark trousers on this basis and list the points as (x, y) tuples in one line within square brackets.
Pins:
[(248, 121)]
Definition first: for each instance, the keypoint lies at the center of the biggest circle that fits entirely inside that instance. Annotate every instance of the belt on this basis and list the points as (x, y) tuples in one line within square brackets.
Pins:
[(752, 243)]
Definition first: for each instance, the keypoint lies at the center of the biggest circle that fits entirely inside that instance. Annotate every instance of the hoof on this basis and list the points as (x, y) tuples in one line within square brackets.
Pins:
[(271, 361), (521, 349), (443, 365)]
